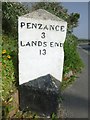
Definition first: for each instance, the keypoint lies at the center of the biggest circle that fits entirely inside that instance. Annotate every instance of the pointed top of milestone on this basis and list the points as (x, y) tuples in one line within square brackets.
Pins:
[(43, 15)]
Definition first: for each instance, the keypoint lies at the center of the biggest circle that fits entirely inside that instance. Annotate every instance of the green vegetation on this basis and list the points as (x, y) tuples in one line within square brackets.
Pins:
[(10, 13), (8, 62), (0, 48), (8, 72), (72, 61)]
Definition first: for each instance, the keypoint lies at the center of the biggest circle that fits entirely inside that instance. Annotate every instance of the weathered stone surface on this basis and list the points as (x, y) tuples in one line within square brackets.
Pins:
[(42, 15), (40, 95)]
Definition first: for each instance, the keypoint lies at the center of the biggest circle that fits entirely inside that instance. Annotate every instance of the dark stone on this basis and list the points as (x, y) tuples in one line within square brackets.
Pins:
[(40, 95)]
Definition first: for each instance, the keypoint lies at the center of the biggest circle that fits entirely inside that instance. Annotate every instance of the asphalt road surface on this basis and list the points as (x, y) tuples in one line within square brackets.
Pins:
[(75, 101), (85, 47)]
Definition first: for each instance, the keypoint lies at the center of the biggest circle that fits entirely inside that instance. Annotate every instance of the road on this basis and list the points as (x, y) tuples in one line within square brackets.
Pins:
[(75, 97), (85, 47)]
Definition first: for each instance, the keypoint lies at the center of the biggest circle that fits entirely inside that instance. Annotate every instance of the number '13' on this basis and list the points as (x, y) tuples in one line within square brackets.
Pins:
[(43, 52)]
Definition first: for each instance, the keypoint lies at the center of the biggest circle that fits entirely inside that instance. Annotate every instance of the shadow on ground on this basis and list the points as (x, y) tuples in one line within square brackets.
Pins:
[(75, 101), (75, 106)]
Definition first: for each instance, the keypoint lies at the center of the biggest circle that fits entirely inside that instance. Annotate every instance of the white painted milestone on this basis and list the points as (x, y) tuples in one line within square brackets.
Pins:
[(40, 47)]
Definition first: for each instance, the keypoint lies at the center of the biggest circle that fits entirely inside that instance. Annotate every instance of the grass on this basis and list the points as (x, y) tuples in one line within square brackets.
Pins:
[(8, 72), (8, 68), (0, 53)]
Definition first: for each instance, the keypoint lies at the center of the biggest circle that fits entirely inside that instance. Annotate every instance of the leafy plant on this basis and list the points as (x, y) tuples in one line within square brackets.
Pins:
[(7, 107), (8, 73), (72, 59), (10, 13), (7, 76), (53, 116)]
